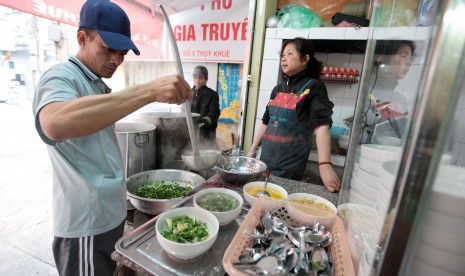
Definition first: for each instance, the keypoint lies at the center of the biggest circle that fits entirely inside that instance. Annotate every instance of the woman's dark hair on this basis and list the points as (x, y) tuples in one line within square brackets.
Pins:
[(391, 47), (306, 47)]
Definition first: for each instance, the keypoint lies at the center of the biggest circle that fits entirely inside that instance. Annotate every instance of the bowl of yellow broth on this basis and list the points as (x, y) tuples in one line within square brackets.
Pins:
[(251, 189)]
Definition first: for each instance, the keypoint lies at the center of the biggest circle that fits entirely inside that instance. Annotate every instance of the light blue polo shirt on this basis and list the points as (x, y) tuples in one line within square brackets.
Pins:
[(89, 192)]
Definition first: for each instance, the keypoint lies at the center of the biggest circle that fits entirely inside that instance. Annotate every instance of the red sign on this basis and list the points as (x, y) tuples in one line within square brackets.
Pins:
[(146, 31)]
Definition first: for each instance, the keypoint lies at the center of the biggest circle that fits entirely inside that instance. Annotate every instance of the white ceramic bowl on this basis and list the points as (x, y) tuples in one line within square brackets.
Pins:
[(186, 251), (380, 153), (356, 198), (368, 178), (389, 174), (343, 141), (383, 196), (449, 191), (318, 200), (223, 217), (370, 166), (270, 187), (363, 189)]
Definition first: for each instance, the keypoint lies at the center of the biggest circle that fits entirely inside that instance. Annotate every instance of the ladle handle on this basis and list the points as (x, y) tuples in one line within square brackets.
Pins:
[(267, 176), (186, 104)]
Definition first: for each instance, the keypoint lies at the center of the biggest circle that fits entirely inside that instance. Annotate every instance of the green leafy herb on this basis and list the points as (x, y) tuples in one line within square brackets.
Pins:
[(163, 190), (184, 229), (218, 202)]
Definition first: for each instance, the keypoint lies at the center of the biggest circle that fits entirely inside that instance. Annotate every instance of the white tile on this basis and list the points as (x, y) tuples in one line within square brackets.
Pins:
[(356, 33), (338, 60), (351, 91), (263, 99), (347, 109), (270, 33), (288, 33), (454, 151), (327, 33), (322, 57), (269, 75), (335, 90), (396, 33), (423, 33), (336, 109), (272, 48), (356, 61)]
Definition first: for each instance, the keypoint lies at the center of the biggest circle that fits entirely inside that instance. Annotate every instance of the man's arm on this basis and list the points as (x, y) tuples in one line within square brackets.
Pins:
[(87, 115)]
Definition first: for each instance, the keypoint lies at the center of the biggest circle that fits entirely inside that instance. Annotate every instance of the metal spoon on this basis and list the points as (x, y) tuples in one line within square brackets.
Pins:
[(319, 259), (264, 193), (267, 265)]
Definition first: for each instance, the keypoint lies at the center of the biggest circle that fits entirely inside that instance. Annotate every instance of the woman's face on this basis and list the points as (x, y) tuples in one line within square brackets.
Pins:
[(399, 64), (291, 61)]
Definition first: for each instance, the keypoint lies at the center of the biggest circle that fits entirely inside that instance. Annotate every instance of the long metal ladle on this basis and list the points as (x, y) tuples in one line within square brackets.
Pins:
[(186, 104)]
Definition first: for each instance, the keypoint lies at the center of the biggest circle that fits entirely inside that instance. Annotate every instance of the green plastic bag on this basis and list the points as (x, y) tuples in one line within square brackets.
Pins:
[(297, 16)]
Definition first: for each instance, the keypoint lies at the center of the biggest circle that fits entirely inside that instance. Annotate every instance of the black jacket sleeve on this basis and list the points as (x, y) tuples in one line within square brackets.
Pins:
[(317, 109)]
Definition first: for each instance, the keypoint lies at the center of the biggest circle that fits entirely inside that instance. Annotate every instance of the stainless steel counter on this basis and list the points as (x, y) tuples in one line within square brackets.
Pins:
[(291, 186)]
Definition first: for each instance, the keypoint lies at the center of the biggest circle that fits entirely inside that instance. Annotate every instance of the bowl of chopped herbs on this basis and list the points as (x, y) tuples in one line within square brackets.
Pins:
[(155, 191), (186, 232)]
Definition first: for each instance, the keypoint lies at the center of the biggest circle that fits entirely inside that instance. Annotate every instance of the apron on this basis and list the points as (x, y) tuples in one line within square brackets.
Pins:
[(286, 144)]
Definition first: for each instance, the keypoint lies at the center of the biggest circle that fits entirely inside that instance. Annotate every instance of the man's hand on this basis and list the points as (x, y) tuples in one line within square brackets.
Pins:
[(169, 89), (207, 122)]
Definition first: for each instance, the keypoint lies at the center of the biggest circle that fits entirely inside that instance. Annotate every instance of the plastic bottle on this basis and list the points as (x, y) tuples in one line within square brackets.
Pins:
[(426, 8)]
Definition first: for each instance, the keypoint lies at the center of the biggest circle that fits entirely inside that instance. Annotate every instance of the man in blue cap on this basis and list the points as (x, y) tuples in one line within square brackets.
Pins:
[(75, 115)]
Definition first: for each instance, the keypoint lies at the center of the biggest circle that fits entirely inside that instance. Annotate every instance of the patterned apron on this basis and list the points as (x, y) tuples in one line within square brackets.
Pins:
[(286, 144)]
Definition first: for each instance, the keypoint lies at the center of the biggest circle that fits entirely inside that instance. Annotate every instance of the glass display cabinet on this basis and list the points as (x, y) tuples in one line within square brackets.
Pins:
[(403, 186)]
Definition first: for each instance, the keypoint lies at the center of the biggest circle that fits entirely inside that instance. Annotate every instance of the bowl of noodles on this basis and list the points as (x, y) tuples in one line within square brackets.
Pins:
[(313, 201)]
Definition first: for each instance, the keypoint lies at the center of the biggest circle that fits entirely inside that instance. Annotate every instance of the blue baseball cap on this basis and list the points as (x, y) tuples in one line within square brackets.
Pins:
[(111, 23)]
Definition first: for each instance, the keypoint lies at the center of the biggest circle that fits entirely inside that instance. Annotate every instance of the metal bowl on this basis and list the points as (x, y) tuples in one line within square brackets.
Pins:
[(238, 170), (209, 158), (157, 206)]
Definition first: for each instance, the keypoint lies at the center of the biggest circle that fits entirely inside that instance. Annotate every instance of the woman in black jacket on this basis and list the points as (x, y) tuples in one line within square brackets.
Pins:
[(297, 108)]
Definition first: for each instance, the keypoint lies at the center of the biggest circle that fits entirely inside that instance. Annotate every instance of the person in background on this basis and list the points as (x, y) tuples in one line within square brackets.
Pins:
[(206, 102), (298, 107), (393, 59), (75, 113)]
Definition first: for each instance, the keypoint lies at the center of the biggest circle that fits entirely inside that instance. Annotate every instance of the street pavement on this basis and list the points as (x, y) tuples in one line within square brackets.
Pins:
[(26, 196)]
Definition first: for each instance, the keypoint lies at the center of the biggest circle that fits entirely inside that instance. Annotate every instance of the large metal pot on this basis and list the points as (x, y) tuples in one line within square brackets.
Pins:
[(172, 136), (137, 145), (156, 206)]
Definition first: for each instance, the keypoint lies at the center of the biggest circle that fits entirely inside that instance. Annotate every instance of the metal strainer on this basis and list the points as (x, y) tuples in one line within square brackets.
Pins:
[(238, 170)]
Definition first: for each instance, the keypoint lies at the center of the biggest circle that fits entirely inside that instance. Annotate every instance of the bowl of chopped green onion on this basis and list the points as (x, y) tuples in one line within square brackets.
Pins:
[(186, 232), (156, 191), (224, 204)]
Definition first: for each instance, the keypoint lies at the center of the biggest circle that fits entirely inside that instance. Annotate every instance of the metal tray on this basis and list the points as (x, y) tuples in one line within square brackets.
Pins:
[(141, 247)]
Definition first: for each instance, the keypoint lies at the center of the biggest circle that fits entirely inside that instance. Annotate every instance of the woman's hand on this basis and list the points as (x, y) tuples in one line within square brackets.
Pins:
[(252, 152), (330, 179)]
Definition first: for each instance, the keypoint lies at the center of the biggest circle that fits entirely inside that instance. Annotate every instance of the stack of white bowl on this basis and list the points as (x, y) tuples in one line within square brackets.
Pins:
[(441, 246), (367, 190)]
